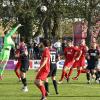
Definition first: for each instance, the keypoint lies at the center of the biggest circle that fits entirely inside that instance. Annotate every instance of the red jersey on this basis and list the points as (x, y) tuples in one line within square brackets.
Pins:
[(46, 53), (69, 53), (18, 54), (81, 61), (83, 49), (43, 73)]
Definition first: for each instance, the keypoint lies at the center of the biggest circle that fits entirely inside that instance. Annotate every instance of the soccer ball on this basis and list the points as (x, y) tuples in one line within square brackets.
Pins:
[(43, 8)]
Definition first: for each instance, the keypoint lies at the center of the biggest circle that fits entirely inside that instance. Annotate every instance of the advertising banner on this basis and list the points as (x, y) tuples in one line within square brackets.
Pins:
[(10, 65), (33, 64), (60, 64), (36, 64)]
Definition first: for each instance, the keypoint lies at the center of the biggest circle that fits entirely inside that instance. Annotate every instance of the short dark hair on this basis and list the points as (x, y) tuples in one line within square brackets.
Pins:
[(69, 40), (22, 39), (46, 42)]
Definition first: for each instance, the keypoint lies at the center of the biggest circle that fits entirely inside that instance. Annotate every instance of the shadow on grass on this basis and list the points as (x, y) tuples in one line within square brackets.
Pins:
[(32, 83), (51, 96), (71, 83), (9, 83), (24, 95)]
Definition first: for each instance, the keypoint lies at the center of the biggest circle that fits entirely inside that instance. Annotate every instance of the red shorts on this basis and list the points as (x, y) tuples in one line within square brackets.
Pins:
[(79, 63), (76, 64), (82, 62), (42, 75), (68, 63)]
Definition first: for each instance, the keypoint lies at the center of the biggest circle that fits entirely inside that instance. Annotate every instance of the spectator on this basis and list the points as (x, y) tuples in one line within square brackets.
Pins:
[(63, 44), (30, 50), (57, 45), (36, 51)]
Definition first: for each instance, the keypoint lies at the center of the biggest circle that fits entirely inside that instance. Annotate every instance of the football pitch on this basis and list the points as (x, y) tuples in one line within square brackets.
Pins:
[(10, 88)]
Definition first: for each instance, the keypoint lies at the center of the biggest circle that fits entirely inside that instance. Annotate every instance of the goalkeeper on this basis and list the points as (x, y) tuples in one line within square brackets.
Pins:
[(8, 44)]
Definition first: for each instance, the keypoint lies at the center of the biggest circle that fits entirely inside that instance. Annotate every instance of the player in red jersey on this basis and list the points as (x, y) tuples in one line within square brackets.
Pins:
[(75, 64), (44, 69), (53, 69), (70, 53), (18, 65), (80, 64)]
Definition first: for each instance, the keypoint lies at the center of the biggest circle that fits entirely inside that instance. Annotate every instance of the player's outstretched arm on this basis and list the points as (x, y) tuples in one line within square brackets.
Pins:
[(13, 30)]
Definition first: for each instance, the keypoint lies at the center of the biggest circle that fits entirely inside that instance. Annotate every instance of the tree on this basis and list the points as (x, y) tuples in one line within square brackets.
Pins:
[(27, 12), (24, 11), (86, 9)]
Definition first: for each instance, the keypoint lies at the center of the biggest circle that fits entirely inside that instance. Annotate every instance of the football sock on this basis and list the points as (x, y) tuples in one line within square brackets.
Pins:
[(24, 81), (63, 74), (55, 86), (88, 76), (78, 73), (66, 75), (97, 75), (18, 75), (46, 86), (70, 72), (42, 89)]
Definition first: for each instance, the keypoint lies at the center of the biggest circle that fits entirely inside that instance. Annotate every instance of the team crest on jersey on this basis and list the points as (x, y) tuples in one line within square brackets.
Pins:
[(93, 54), (68, 52)]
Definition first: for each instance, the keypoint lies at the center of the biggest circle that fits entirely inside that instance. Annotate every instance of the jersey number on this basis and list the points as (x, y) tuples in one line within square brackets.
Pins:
[(53, 58)]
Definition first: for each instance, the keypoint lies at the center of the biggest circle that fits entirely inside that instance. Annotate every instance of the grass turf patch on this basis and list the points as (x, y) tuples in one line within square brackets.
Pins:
[(10, 88)]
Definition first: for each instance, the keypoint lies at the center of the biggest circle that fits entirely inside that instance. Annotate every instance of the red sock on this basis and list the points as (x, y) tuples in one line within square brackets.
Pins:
[(78, 73), (63, 74), (66, 75), (42, 89), (83, 71), (17, 73), (18, 65), (70, 72)]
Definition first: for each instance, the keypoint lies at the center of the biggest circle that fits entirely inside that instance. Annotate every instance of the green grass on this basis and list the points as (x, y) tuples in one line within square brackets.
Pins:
[(10, 89)]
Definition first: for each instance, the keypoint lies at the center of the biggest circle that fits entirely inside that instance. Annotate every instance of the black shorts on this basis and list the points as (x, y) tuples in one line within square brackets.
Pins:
[(53, 70), (24, 65), (92, 65)]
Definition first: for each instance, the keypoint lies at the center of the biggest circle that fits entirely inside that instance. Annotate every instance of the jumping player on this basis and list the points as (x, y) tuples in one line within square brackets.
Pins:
[(70, 53), (44, 69), (8, 44), (53, 69)]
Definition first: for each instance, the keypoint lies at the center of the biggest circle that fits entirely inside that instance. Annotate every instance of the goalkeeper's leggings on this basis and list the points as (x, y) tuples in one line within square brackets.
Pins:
[(3, 60)]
